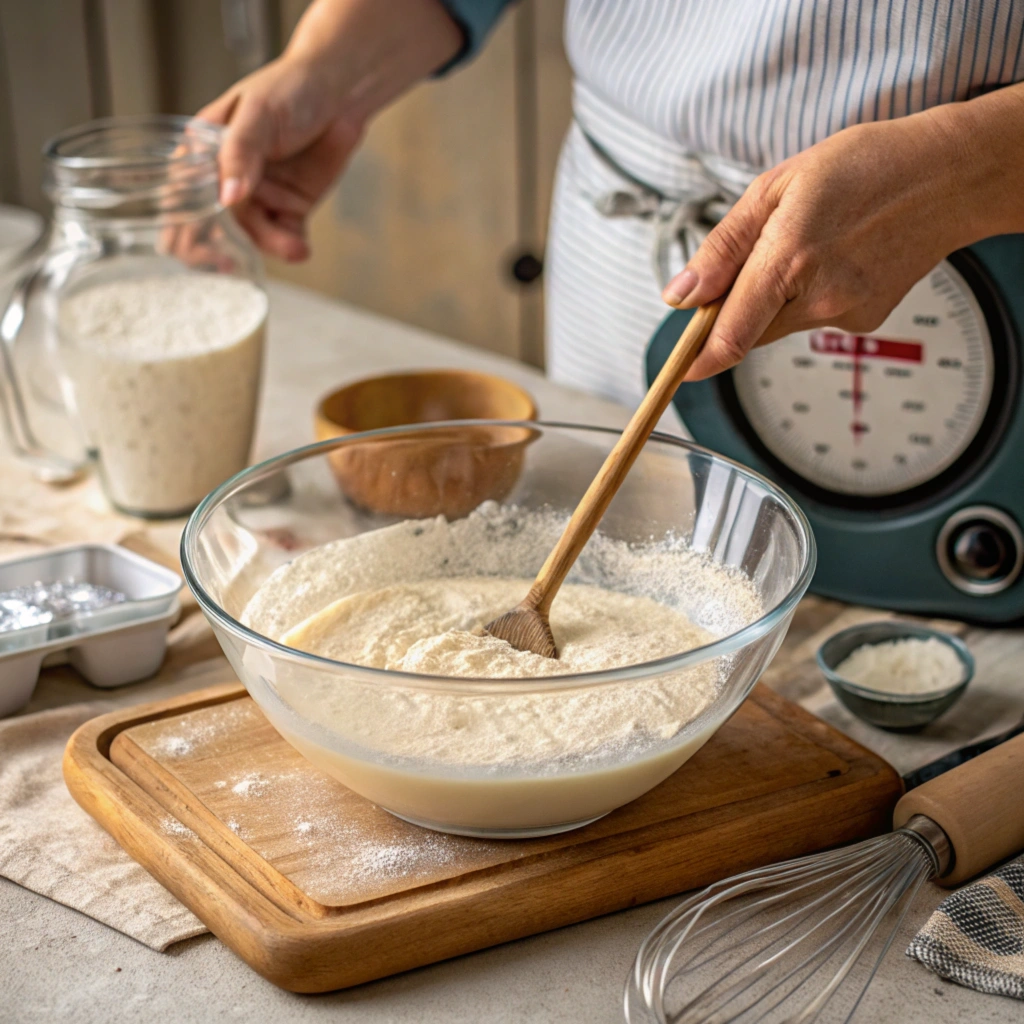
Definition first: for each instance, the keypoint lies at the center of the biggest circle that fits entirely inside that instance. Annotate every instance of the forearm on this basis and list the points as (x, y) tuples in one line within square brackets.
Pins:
[(366, 53), (985, 138)]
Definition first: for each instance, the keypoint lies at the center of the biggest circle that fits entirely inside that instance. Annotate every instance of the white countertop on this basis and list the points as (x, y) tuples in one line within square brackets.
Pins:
[(57, 964)]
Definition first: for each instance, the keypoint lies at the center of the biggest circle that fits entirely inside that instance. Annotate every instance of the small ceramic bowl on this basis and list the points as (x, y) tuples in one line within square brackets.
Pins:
[(894, 711), (413, 475)]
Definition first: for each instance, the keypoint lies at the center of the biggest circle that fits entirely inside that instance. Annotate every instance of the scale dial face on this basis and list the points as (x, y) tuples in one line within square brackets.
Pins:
[(881, 413)]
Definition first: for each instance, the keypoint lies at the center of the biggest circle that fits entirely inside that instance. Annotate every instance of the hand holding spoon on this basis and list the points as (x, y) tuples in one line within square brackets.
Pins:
[(526, 627)]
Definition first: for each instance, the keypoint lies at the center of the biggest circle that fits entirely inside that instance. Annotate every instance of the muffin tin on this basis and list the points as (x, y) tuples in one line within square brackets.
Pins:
[(118, 644)]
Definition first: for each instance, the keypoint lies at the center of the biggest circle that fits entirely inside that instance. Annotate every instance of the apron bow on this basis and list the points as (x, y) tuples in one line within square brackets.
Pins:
[(684, 219)]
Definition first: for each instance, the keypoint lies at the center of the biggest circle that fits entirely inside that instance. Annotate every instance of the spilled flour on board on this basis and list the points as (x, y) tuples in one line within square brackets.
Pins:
[(253, 784), (198, 729), (307, 826)]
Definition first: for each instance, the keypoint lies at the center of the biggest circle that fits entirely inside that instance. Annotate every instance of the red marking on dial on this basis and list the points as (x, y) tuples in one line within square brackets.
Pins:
[(866, 346)]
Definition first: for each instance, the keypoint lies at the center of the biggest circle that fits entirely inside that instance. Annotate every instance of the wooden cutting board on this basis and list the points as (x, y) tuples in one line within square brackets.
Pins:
[(318, 889)]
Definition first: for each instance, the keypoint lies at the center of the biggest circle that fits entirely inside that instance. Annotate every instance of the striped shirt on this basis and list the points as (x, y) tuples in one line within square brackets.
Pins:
[(756, 82)]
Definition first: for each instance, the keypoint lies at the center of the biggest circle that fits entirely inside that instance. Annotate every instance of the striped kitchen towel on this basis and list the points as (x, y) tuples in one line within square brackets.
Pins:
[(976, 936)]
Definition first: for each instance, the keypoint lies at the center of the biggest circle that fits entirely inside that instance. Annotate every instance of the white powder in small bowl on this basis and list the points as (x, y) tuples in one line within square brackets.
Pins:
[(905, 666)]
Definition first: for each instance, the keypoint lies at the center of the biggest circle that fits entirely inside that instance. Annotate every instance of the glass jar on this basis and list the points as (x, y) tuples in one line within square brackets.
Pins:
[(151, 299)]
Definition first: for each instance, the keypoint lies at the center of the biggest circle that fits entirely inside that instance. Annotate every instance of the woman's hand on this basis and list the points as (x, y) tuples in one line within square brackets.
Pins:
[(287, 140), (292, 125), (838, 234)]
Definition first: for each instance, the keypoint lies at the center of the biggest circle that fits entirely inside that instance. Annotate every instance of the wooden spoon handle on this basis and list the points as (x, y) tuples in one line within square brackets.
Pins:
[(978, 805), (610, 476)]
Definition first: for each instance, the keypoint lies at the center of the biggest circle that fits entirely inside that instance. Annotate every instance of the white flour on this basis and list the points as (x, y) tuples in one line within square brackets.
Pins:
[(253, 784), (500, 756), (302, 826), (911, 665), (195, 736), (166, 372)]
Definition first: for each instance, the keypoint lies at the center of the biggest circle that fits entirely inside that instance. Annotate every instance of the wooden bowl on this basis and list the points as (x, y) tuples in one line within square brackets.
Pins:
[(447, 471)]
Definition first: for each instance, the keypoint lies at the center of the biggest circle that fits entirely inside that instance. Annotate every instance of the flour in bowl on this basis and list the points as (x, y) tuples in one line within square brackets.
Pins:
[(908, 665)]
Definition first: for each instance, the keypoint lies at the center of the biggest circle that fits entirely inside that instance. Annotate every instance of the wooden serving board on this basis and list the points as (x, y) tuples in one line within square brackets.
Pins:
[(318, 889)]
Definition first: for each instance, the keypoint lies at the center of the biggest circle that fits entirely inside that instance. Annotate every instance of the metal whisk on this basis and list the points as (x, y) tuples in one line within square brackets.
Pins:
[(800, 941)]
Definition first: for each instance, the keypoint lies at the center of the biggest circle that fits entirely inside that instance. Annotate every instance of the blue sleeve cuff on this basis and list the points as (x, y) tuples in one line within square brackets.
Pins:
[(476, 18)]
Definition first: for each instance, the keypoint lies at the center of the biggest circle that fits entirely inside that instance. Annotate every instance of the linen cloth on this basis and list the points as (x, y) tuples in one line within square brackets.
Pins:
[(50, 845)]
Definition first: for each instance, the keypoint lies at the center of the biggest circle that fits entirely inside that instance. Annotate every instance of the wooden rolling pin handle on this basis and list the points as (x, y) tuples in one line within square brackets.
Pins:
[(620, 459), (980, 807)]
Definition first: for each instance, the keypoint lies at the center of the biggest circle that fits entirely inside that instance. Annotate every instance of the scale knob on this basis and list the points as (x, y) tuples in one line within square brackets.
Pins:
[(981, 550)]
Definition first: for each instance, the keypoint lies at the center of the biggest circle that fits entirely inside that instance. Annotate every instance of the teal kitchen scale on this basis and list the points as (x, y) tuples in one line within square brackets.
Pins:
[(904, 447)]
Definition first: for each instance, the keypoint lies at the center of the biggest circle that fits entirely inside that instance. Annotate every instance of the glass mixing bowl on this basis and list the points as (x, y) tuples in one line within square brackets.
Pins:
[(499, 757)]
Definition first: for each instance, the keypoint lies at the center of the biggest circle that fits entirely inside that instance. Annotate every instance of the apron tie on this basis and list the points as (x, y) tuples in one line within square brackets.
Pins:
[(684, 219)]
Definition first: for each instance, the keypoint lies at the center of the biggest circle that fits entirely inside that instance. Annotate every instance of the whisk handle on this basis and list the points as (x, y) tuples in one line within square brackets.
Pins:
[(980, 807)]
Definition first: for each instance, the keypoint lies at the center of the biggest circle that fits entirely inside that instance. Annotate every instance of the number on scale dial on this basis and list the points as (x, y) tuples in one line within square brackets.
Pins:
[(876, 414)]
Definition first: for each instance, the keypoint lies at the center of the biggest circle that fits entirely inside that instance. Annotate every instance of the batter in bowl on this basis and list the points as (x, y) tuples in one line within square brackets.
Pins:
[(435, 627), (500, 757)]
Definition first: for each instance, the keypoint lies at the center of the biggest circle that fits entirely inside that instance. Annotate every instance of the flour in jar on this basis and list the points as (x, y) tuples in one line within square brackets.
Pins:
[(413, 598), (166, 374)]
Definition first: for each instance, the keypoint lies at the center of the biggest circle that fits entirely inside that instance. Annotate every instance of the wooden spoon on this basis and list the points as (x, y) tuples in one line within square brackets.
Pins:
[(526, 626)]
